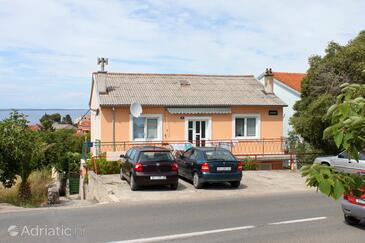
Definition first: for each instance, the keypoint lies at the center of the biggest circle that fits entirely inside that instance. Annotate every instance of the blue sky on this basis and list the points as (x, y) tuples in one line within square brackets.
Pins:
[(48, 48)]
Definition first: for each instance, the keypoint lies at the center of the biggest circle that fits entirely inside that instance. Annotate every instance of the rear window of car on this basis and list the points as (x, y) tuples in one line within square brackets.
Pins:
[(219, 155), (146, 156)]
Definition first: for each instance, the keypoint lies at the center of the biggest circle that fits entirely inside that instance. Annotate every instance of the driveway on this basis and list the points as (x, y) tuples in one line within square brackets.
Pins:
[(254, 183)]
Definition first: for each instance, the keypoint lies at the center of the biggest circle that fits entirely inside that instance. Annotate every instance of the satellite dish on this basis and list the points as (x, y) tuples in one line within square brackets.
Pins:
[(136, 109)]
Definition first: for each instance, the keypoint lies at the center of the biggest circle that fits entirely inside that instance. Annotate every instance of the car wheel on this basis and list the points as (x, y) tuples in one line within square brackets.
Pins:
[(351, 220), (196, 181), (325, 163), (235, 184), (174, 186), (133, 184)]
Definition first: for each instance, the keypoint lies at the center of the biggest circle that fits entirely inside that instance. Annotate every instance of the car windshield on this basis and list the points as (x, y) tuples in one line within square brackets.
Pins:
[(221, 155), (155, 156)]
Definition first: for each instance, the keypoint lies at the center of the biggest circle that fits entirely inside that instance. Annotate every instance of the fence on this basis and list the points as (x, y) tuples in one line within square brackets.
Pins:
[(237, 147)]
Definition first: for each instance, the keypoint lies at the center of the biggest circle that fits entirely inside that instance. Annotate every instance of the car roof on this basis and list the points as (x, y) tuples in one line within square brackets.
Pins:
[(149, 148), (210, 149)]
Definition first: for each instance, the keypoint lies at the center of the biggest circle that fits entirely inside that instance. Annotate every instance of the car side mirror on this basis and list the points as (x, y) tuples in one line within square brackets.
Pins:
[(123, 156)]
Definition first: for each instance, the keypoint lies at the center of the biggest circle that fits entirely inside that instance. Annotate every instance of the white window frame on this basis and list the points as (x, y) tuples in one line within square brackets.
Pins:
[(159, 127), (258, 125), (195, 118)]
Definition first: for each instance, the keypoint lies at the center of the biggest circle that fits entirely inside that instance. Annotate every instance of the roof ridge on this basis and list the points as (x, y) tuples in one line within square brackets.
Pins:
[(289, 72), (173, 74)]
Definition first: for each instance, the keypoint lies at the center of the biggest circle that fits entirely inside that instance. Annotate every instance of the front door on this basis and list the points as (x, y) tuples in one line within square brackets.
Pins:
[(198, 132)]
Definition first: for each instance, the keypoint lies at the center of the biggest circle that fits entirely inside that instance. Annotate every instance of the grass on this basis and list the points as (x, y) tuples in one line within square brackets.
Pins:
[(38, 182)]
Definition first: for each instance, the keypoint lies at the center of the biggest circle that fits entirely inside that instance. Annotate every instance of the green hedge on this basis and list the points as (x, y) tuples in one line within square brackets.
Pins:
[(105, 167), (249, 164)]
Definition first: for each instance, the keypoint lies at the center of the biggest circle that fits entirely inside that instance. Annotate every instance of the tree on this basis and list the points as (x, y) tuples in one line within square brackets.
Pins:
[(340, 64), (48, 120), (347, 129), (67, 119), (20, 151)]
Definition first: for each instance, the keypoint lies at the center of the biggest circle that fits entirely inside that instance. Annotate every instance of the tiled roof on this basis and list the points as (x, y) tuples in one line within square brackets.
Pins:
[(293, 80), (181, 90)]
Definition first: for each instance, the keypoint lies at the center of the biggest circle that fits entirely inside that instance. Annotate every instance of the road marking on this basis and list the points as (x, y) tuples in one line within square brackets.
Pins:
[(298, 220), (185, 235)]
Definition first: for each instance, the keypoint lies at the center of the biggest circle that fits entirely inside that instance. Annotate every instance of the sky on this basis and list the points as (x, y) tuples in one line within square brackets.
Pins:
[(48, 48)]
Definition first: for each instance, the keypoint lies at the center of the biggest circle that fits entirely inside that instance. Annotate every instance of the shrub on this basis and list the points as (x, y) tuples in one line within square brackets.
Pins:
[(38, 181), (248, 164), (105, 167)]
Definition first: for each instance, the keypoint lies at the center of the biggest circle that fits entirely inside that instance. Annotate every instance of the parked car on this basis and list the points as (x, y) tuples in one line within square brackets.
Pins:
[(342, 162), (149, 166), (354, 208), (209, 164)]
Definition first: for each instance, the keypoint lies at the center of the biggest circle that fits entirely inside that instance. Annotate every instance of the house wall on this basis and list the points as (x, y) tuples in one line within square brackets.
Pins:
[(173, 125), (289, 96), (95, 129)]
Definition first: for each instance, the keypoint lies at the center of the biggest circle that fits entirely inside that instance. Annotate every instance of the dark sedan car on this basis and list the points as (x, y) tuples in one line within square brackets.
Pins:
[(207, 164), (149, 166)]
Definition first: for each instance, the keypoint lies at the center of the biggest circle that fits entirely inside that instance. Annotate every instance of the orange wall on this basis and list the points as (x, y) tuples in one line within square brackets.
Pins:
[(173, 128)]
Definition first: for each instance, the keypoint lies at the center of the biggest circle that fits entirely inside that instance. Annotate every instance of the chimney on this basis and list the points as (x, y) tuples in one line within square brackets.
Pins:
[(269, 81)]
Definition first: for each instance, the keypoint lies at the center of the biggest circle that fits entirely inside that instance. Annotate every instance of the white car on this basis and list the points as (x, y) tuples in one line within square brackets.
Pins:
[(342, 162)]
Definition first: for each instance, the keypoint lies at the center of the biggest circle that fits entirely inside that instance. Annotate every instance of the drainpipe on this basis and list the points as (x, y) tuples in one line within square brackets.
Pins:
[(113, 118)]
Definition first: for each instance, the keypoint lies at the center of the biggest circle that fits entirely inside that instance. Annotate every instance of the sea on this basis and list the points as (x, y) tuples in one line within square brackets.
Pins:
[(33, 115)]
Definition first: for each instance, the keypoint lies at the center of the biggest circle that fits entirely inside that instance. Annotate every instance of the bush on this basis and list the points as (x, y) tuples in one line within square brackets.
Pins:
[(105, 167), (248, 164), (304, 152), (38, 182)]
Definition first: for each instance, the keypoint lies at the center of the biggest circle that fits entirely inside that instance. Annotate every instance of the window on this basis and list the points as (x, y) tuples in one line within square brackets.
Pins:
[(194, 156), (246, 126), (222, 155), (146, 128), (155, 156)]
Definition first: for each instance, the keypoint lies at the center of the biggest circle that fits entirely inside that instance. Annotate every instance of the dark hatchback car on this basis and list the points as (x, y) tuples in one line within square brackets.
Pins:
[(143, 166), (208, 164)]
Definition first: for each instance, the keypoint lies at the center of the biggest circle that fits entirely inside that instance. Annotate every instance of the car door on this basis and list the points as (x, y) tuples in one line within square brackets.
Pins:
[(359, 165), (192, 163), (130, 162), (184, 163), (343, 163)]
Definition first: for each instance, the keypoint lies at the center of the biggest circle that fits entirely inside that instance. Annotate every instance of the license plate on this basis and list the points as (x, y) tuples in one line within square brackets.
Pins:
[(157, 177), (223, 168)]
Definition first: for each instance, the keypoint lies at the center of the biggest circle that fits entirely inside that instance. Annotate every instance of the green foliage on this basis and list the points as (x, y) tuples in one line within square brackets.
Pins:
[(20, 151), (63, 149), (249, 164), (341, 64), (47, 121), (105, 167), (348, 119), (67, 119), (304, 152), (348, 132), (331, 182)]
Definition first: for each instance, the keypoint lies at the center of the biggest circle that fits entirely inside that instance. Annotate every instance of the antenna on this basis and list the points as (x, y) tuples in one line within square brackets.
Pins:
[(102, 61), (136, 109)]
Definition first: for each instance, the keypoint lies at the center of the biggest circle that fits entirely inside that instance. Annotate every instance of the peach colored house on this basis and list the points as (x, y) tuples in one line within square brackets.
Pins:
[(204, 110)]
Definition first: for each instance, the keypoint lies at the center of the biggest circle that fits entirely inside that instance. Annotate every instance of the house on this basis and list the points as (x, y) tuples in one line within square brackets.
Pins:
[(84, 125), (287, 86), (203, 110), (35, 127), (60, 126)]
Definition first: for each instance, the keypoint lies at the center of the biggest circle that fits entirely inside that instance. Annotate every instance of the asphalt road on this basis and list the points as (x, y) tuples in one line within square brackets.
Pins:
[(304, 217)]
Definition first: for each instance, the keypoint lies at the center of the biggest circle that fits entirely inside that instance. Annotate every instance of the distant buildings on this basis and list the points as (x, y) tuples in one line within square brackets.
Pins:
[(84, 125)]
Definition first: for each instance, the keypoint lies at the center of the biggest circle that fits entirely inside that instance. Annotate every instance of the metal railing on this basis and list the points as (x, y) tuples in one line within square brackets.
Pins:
[(236, 146)]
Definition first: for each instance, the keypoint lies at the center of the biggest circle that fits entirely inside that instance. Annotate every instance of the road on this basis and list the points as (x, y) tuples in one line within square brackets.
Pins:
[(300, 217)]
